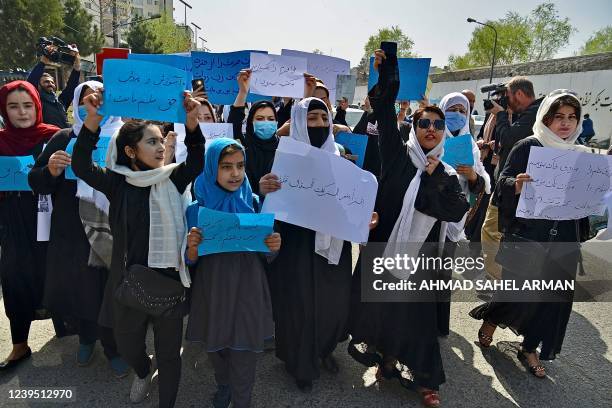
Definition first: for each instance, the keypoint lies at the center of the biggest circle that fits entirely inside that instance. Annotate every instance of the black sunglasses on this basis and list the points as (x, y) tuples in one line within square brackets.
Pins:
[(426, 123)]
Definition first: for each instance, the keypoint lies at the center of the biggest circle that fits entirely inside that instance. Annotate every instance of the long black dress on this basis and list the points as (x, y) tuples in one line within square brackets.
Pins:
[(73, 289), (406, 331), (538, 322), (22, 263)]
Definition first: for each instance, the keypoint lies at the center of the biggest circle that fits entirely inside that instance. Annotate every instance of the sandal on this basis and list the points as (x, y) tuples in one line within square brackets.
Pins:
[(538, 371), (484, 340), (430, 398)]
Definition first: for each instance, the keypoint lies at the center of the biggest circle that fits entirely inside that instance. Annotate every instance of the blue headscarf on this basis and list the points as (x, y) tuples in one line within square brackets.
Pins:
[(210, 194)]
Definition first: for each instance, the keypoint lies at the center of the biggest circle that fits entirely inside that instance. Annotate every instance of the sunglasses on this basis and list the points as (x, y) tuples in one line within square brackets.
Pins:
[(438, 124)]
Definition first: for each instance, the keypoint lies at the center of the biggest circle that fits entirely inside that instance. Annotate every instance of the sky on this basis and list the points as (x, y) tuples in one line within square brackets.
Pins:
[(341, 27)]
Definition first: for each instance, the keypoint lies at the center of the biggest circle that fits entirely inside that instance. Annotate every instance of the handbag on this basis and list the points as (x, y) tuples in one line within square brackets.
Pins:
[(147, 290)]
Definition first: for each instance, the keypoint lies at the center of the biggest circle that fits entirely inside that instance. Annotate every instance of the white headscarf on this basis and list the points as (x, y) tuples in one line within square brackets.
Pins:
[(110, 126), (412, 226), (325, 245), (167, 222), (546, 136), (454, 230)]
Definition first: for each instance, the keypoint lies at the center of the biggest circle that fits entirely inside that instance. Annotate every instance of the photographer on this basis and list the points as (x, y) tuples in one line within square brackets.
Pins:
[(520, 100), (54, 107)]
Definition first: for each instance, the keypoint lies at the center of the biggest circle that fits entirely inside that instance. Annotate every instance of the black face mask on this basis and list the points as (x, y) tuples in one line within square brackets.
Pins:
[(318, 135)]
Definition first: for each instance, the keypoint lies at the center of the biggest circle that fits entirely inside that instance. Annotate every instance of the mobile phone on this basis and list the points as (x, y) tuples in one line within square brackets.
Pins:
[(390, 48), (197, 83)]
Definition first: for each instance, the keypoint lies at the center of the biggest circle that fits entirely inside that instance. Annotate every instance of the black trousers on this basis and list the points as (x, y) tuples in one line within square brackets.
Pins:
[(20, 329), (89, 332), (168, 337), (236, 369)]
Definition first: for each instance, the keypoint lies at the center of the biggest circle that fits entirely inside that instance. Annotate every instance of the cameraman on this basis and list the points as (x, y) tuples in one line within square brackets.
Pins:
[(54, 107), (521, 101)]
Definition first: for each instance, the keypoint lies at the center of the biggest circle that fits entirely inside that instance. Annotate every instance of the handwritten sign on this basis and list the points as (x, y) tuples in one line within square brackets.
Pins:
[(209, 130), (566, 185), (355, 142), (345, 87), (413, 77), (219, 72), (458, 151), (232, 232), (174, 60), (321, 191), (98, 156), (14, 172), (277, 75), (144, 90), (323, 67)]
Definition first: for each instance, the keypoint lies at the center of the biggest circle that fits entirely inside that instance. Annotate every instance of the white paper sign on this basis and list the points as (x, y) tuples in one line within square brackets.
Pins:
[(277, 75), (321, 192), (323, 67), (209, 130), (43, 224), (567, 185)]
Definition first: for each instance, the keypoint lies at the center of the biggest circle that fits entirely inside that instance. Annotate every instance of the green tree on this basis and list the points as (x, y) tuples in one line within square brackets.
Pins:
[(78, 28), (600, 41), (549, 32), (540, 35), (172, 38), (23, 22), (142, 39), (393, 34)]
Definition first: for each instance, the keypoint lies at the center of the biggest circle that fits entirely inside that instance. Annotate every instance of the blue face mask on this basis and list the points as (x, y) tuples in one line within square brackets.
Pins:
[(265, 129), (83, 115), (455, 120)]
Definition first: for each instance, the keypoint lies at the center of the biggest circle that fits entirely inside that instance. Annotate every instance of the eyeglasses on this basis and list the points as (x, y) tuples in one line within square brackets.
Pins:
[(562, 91), (438, 124)]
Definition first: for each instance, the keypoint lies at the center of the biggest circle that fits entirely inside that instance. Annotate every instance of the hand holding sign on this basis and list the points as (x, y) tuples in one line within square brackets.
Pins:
[(458, 152), (58, 162)]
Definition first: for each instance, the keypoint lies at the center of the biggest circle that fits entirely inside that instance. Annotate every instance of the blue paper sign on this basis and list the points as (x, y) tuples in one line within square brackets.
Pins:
[(230, 232), (219, 72), (174, 60), (458, 151), (144, 90), (355, 142), (413, 77), (98, 156), (14, 173)]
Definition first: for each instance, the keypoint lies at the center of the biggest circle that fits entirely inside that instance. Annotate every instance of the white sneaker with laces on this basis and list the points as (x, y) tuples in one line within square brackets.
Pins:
[(141, 386)]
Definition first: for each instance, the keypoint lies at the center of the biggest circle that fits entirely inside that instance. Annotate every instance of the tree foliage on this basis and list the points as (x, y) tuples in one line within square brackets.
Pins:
[(142, 39), (80, 29), (173, 38), (535, 37), (393, 34), (600, 41)]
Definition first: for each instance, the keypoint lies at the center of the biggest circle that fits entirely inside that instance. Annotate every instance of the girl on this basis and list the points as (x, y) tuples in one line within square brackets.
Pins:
[(22, 266), (311, 276), (415, 189), (77, 269), (231, 311), (147, 207), (260, 139), (558, 125)]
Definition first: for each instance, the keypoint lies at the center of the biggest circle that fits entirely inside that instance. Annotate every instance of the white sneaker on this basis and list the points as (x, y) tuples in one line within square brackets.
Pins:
[(141, 386)]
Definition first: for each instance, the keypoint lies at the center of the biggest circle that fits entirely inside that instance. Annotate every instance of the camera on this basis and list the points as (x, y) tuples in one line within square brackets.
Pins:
[(499, 92), (61, 52)]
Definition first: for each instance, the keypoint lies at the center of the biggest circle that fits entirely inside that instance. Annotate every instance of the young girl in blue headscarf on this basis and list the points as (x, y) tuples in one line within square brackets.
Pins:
[(231, 311)]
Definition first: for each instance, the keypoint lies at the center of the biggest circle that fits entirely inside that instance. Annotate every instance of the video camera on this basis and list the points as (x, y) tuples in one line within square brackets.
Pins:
[(498, 90), (61, 53)]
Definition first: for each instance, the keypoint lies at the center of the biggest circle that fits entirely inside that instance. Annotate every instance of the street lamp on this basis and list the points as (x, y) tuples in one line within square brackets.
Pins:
[(203, 41), (186, 5), (471, 20), (195, 36)]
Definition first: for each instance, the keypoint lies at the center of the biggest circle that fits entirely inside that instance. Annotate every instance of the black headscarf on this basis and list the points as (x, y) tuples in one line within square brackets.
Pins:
[(260, 153)]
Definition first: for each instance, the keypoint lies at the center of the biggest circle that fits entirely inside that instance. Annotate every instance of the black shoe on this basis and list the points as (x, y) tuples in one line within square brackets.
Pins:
[(304, 385), (10, 364), (330, 364)]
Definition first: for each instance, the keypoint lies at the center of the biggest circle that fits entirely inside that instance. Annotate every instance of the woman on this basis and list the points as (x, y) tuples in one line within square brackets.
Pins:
[(367, 126), (147, 207), (415, 188), (557, 126), (206, 112), (260, 139), (473, 179), (22, 265), (311, 275), (77, 269), (231, 311)]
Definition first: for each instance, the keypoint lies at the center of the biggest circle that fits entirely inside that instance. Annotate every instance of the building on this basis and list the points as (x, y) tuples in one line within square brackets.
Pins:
[(127, 10)]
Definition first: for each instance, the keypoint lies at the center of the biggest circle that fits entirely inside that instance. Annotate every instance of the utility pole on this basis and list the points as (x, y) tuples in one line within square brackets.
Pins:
[(195, 37), (115, 24)]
